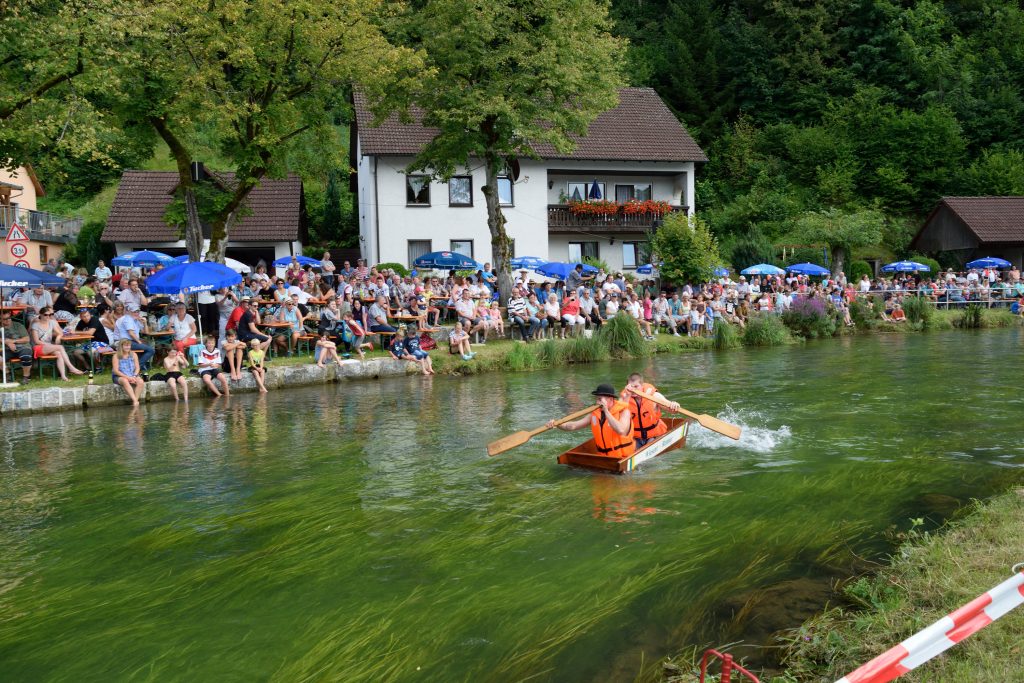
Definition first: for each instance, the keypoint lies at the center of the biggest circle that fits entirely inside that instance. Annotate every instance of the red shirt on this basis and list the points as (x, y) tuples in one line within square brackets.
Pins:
[(234, 318)]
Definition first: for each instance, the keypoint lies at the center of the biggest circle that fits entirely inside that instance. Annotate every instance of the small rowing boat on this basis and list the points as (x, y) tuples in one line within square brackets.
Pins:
[(586, 455)]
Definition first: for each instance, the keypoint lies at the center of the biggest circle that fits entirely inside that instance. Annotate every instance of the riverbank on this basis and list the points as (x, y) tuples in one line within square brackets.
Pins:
[(931, 575), (620, 340)]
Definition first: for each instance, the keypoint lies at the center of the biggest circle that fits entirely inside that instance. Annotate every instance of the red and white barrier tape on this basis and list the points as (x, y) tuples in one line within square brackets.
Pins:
[(943, 634)]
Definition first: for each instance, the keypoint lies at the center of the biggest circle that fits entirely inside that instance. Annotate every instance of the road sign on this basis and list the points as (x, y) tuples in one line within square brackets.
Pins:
[(18, 250), (22, 264), (16, 234)]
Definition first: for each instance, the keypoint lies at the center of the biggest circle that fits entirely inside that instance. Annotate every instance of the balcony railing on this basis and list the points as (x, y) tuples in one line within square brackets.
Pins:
[(561, 217), (40, 225)]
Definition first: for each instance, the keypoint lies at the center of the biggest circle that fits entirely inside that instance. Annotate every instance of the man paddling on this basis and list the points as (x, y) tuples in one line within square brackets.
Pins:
[(611, 424), (647, 422)]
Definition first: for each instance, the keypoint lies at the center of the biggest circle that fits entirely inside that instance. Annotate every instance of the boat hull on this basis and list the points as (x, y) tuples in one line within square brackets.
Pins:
[(586, 455)]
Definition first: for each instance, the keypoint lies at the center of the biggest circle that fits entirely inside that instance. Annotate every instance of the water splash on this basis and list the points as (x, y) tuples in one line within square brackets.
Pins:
[(757, 436)]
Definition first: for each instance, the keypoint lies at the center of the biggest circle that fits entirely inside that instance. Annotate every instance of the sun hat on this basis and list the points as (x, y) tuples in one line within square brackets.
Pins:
[(604, 390)]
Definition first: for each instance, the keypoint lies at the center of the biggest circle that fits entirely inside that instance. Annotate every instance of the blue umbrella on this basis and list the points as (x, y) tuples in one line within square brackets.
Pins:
[(527, 262), (989, 262), (17, 277), (595, 191), (190, 278), (142, 259), (763, 269), (446, 260), (646, 269), (720, 271), (560, 271), (807, 269), (905, 267), (285, 261)]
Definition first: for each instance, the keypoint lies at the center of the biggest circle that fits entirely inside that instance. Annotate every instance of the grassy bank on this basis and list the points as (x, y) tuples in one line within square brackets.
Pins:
[(932, 575)]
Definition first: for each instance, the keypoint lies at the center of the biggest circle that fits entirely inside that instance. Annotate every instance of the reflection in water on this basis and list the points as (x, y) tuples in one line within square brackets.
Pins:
[(365, 523)]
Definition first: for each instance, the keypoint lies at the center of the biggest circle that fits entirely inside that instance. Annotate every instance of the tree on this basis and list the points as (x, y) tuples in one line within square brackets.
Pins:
[(685, 248), (504, 76), (256, 79), (841, 231)]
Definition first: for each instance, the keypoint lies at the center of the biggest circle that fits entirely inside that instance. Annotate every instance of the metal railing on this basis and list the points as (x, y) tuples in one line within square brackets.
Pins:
[(40, 224), (560, 216)]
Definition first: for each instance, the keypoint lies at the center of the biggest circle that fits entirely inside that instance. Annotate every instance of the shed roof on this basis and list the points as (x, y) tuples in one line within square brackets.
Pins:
[(274, 210), (991, 219), (640, 128)]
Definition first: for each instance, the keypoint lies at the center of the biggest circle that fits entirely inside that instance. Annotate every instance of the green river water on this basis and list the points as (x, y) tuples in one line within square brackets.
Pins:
[(360, 532)]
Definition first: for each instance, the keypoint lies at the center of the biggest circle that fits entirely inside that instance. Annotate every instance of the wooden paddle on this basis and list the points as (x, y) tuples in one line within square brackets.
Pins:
[(706, 421), (519, 438)]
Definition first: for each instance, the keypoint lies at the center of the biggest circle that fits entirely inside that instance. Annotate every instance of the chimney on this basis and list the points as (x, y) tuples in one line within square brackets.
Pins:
[(198, 172)]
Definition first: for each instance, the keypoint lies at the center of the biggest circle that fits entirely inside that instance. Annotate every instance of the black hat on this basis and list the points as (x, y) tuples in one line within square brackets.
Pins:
[(604, 390)]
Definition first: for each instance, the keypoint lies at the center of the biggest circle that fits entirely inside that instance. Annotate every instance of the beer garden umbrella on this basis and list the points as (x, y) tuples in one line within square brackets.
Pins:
[(192, 278), (16, 277)]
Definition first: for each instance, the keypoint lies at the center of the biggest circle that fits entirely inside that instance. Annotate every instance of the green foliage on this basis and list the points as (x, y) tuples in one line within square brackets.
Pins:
[(918, 310), (996, 172), (840, 230), (863, 313), (622, 336), (809, 318), (686, 248), (930, 262), (765, 329), (585, 349), (726, 336), (600, 264), (858, 269), (397, 267), (970, 317), (89, 248), (751, 249), (549, 352), (521, 357)]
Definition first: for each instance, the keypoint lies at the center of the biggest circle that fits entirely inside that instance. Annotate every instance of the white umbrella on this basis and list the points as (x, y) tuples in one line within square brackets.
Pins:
[(231, 263)]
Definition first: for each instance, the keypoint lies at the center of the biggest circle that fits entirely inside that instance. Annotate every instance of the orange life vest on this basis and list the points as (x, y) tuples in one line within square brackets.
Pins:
[(608, 441), (647, 422)]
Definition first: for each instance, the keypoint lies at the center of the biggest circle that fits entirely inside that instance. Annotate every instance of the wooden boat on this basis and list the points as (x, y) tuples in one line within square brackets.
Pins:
[(586, 455)]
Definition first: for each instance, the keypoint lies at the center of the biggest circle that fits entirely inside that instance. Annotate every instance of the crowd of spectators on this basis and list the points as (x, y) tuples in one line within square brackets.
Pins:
[(335, 311)]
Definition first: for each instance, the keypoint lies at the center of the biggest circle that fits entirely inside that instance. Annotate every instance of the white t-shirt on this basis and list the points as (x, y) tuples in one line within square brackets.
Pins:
[(182, 328), (611, 308)]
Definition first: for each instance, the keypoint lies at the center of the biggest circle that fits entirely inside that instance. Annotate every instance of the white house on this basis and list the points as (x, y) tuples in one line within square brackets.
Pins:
[(638, 150), (272, 225)]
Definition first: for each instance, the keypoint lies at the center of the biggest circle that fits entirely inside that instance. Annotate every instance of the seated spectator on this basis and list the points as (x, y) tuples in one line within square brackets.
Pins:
[(458, 342), (247, 326), (662, 311), (65, 308), (552, 312), (289, 313), (130, 326), (571, 317), (353, 335), (466, 308), (611, 309), (102, 272), (497, 323), (98, 345), (898, 315), (256, 357), (378, 315), (183, 328), (233, 350), (18, 343), (414, 352), (590, 309), (519, 314), (46, 337), (210, 363), (635, 308), (175, 364), (125, 371)]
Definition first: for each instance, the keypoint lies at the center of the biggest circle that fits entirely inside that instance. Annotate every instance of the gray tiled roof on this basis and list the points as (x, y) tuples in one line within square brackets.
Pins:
[(991, 219), (137, 215), (640, 128)]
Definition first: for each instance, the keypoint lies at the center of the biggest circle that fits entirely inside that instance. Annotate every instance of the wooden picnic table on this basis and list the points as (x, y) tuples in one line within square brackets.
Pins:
[(278, 325)]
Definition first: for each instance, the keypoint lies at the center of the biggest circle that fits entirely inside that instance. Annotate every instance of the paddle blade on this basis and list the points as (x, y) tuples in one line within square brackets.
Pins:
[(508, 442), (716, 425)]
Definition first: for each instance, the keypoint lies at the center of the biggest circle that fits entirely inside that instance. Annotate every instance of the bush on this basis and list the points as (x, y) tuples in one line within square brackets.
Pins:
[(751, 249), (549, 352), (765, 329), (970, 318), (859, 269), (930, 262), (808, 318), (918, 310), (521, 357), (999, 317), (687, 249), (598, 263), (623, 338), (726, 336), (863, 313), (397, 267)]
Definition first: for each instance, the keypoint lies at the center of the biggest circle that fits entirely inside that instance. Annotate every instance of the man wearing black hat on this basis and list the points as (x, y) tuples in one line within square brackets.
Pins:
[(611, 424)]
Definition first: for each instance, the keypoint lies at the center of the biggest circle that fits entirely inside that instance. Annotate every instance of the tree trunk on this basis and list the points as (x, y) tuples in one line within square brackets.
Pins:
[(496, 224), (838, 256), (183, 160), (219, 232)]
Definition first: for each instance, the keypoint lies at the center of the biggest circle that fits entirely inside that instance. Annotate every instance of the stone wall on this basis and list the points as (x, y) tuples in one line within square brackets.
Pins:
[(104, 393)]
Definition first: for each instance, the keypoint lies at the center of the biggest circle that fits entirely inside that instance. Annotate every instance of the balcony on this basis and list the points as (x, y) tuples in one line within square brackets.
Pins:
[(41, 225), (561, 218)]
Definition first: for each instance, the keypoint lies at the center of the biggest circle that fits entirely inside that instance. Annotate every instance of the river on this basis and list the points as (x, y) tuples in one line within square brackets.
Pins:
[(360, 532)]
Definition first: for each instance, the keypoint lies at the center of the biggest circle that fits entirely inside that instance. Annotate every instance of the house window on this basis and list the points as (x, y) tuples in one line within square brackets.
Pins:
[(460, 191), (417, 190), (464, 247), (43, 256), (581, 250), (578, 192), (505, 190), (638, 191), (634, 254), (418, 248)]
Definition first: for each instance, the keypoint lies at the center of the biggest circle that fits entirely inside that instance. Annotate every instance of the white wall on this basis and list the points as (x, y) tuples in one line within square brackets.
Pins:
[(670, 181), (441, 223)]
